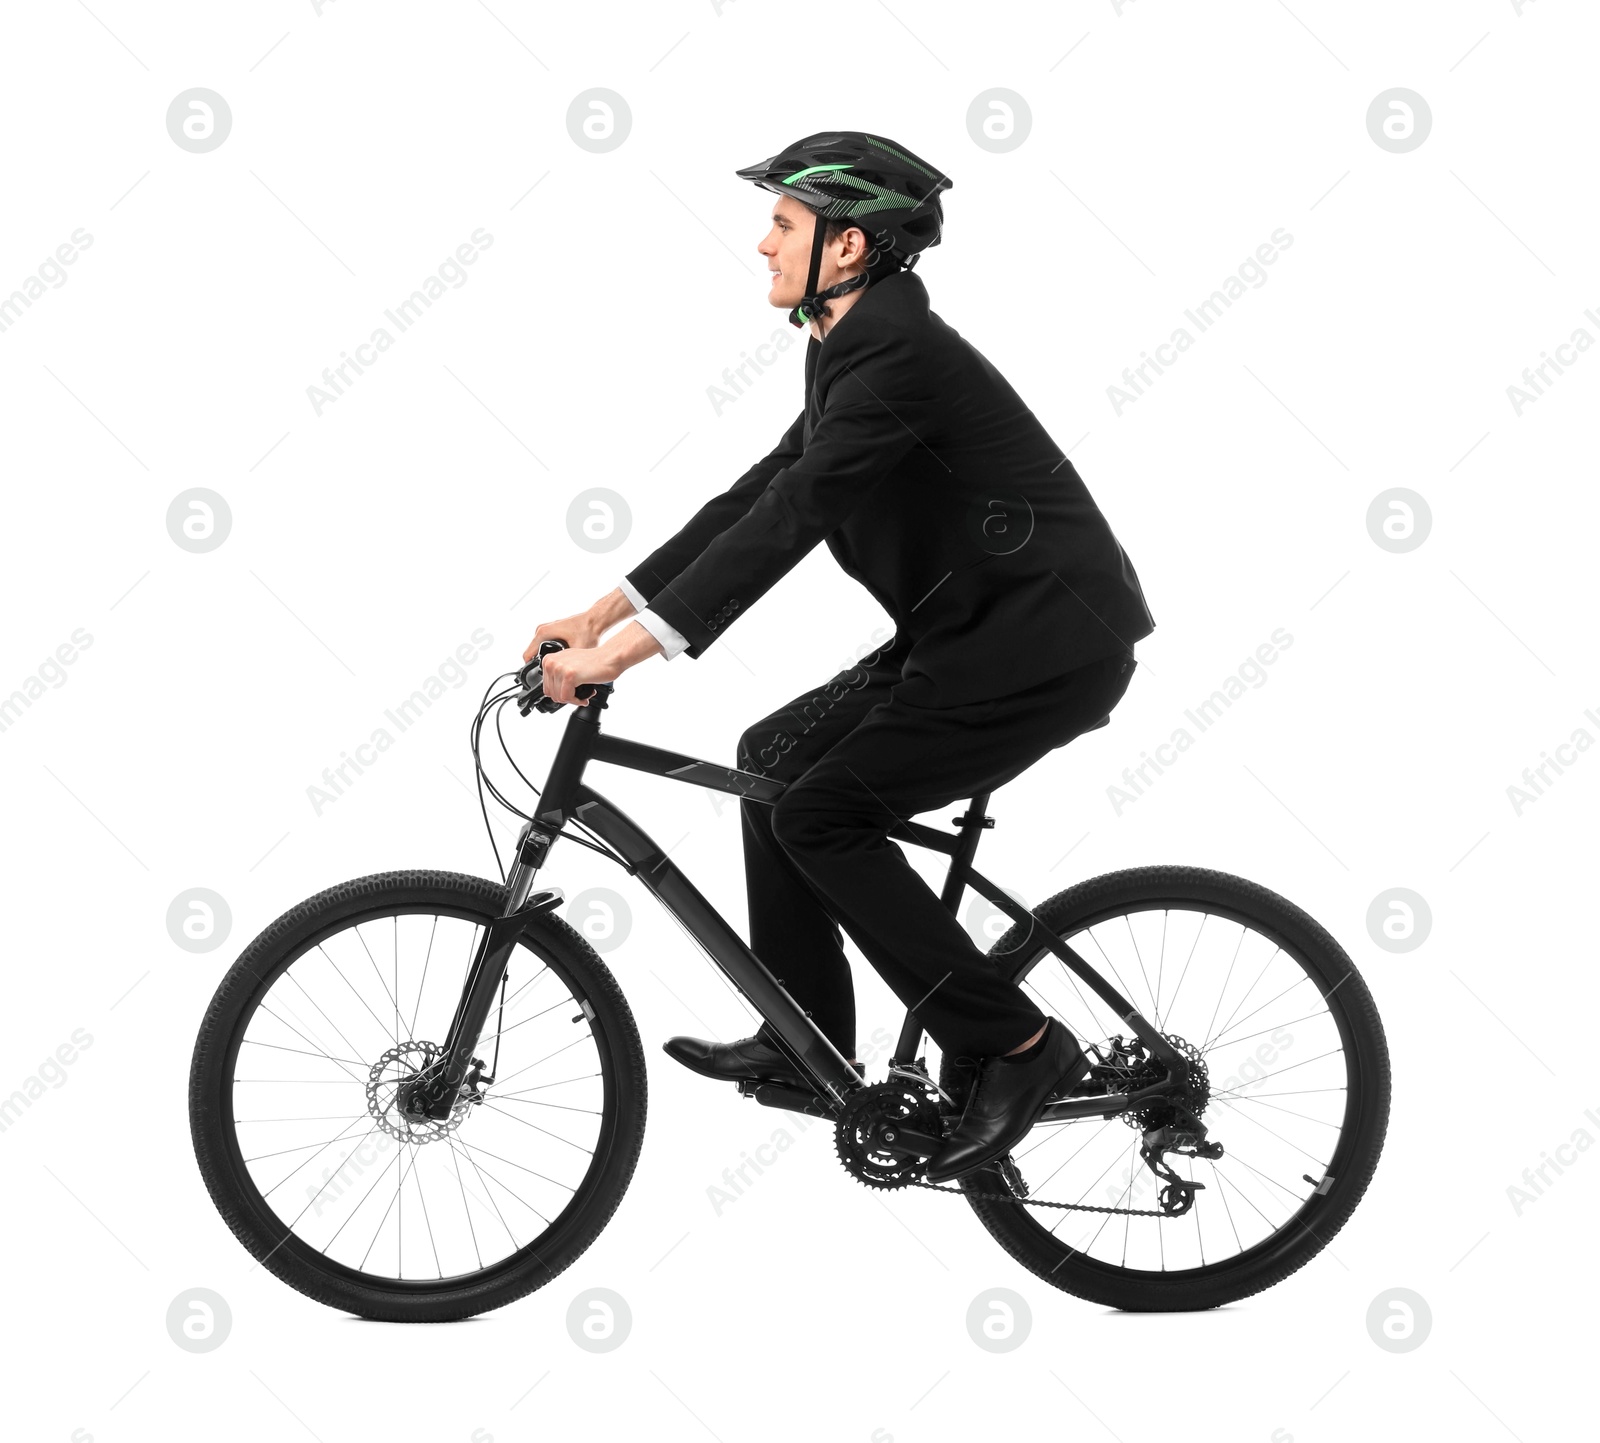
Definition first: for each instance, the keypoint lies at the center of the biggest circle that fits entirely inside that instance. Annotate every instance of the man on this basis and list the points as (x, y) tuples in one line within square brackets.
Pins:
[(1016, 613)]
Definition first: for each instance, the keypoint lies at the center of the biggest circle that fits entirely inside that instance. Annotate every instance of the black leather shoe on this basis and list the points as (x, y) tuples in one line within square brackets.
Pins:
[(1005, 1101), (753, 1059)]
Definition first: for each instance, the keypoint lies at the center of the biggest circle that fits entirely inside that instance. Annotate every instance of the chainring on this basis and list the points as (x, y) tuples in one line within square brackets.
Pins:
[(870, 1121)]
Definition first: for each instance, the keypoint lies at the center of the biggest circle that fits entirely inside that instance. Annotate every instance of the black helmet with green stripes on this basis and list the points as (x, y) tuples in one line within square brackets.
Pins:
[(862, 180)]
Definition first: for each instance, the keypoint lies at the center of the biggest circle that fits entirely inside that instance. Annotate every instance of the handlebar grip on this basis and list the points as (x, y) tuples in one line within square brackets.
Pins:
[(529, 675)]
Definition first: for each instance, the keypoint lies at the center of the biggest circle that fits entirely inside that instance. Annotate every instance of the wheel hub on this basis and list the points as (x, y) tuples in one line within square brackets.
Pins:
[(386, 1083)]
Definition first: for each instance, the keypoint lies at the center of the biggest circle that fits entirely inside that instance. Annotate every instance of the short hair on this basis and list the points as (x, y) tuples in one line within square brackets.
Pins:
[(879, 261)]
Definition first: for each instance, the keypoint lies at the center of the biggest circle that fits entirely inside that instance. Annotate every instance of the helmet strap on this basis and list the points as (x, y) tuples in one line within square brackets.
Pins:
[(815, 304), (812, 306)]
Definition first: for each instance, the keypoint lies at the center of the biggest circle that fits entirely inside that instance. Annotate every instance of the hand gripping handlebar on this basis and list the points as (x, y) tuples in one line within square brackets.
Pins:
[(532, 693)]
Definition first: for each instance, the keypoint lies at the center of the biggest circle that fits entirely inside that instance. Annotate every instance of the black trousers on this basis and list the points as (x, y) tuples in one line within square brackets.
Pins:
[(858, 758)]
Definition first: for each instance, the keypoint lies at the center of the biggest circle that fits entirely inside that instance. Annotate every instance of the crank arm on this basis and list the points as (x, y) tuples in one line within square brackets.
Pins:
[(908, 1142)]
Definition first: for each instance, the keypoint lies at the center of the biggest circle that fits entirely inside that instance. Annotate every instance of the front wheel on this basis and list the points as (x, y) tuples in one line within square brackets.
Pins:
[(292, 1101), (1290, 1073)]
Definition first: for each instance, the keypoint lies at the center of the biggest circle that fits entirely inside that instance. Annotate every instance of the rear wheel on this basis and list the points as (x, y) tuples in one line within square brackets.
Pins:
[(1293, 1082), (293, 1081)]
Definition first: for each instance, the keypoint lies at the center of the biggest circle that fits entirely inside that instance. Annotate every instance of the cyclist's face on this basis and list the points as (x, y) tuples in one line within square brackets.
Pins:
[(787, 249)]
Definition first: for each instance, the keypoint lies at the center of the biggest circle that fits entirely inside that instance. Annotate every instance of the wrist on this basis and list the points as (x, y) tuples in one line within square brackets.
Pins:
[(629, 646), (610, 609)]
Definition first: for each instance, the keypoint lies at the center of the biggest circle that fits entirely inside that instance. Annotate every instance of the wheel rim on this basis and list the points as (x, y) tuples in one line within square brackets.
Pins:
[(333, 1171), (1285, 1085)]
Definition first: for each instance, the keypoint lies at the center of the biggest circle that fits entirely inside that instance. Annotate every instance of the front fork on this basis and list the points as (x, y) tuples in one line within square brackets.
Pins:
[(434, 1092)]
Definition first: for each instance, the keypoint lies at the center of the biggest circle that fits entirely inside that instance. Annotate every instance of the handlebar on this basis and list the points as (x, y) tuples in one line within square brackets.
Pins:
[(532, 693)]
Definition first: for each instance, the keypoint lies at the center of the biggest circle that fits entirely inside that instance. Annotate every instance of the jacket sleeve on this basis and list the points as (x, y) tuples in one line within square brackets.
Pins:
[(873, 414), (720, 512)]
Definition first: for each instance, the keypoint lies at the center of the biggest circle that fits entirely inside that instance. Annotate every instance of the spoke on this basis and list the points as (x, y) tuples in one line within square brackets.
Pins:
[(325, 1117), (529, 1068), (490, 1177), (416, 1177), (1234, 1157), (565, 1002), (1304, 1062), (534, 1102), (1215, 1041), (1248, 990), (278, 1047), (372, 1187), (1290, 1022), (1155, 1002), (1161, 961), (286, 1151), (1305, 1116), (318, 1193), (355, 1122), (313, 1001), (1127, 1189), (539, 1087), (1300, 1092), (455, 1157), (1222, 1193), (1161, 1233), (1050, 1007), (519, 1167), (1105, 1218), (1223, 1177), (1085, 1193), (321, 1050), (359, 998), (588, 1151), (1204, 918), (307, 1081), (1320, 1162), (488, 1191), (397, 983), (1199, 1240), (1126, 990), (1098, 1133), (1232, 963), (532, 982), (385, 1218), (415, 1011), (395, 1030)]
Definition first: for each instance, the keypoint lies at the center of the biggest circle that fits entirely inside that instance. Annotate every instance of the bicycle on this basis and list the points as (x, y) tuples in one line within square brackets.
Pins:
[(525, 1167)]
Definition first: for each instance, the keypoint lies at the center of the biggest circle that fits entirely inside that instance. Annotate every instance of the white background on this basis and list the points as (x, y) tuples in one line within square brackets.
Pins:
[(1167, 142)]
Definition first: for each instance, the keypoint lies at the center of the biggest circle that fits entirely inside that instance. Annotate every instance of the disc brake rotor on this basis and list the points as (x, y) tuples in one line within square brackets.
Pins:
[(400, 1064)]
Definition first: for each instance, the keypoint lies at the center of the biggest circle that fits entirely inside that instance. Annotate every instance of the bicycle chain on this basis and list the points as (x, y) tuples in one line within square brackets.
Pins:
[(1039, 1202)]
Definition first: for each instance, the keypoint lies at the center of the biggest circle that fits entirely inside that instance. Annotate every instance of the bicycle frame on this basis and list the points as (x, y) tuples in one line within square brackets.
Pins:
[(565, 797)]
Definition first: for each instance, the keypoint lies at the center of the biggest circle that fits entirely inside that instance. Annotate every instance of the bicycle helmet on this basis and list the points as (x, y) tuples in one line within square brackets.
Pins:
[(850, 176)]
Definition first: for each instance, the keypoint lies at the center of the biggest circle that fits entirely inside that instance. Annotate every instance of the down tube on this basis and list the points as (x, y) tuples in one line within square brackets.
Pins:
[(724, 946)]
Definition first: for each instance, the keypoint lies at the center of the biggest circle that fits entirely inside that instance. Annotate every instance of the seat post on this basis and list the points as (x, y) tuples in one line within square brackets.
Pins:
[(970, 825)]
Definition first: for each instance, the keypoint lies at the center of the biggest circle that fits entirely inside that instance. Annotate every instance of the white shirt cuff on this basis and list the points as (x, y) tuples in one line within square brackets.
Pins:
[(633, 594), (672, 640)]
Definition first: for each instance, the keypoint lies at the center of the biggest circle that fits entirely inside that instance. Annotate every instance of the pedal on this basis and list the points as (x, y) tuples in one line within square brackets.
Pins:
[(790, 1099), (1011, 1175)]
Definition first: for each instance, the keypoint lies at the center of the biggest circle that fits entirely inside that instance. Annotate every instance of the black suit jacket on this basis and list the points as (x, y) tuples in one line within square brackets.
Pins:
[(938, 490)]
